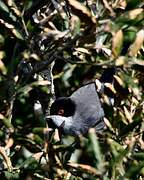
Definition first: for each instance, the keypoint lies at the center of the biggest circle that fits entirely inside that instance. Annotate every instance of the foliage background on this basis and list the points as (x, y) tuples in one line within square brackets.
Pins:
[(77, 41)]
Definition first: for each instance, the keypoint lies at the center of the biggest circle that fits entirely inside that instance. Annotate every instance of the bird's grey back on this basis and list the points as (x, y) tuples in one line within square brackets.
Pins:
[(89, 112)]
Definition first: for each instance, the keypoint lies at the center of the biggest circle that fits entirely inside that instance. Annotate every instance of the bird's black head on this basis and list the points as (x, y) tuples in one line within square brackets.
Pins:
[(63, 106)]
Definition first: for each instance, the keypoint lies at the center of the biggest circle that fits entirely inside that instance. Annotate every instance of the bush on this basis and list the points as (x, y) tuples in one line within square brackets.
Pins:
[(50, 48)]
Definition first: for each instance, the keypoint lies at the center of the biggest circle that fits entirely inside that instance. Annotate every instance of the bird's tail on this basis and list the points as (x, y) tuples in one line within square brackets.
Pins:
[(105, 86), (111, 88)]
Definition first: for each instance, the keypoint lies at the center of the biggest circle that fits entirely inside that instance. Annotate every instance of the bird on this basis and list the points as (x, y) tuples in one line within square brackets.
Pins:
[(76, 114)]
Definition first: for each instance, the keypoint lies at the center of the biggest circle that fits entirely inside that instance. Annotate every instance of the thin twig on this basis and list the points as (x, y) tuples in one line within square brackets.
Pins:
[(107, 6), (6, 158), (84, 62), (23, 22), (40, 176)]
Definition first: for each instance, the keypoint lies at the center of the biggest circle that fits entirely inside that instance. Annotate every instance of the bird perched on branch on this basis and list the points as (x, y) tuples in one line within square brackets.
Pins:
[(76, 114)]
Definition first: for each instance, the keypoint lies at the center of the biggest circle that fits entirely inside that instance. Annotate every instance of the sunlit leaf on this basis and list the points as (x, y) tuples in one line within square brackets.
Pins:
[(3, 69), (127, 114), (17, 34), (120, 61), (13, 7), (136, 46), (121, 4), (85, 168), (12, 29), (81, 11), (117, 43), (134, 13)]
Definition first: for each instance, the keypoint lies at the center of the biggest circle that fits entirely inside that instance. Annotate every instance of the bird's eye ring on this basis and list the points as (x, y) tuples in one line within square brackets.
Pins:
[(61, 112)]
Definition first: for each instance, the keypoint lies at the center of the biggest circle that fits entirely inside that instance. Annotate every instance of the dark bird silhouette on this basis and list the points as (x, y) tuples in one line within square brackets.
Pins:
[(74, 115), (83, 110)]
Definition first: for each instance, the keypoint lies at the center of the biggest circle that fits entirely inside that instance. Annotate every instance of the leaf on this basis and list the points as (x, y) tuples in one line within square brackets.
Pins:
[(17, 34), (2, 39), (85, 168), (37, 156), (131, 18), (3, 69), (77, 5), (122, 4), (81, 11), (28, 144), (119, 80), (127, 114), (96, 149), (120, 61), (134, 13), (40, 130), (130, 127), (138, 43), (115, 146), (2, 116), (27, 88), (6, 12), (11, 28), (30, 163), (117, 43), (139, 156), (13, 7), (108, 124), (10, 175), (4, 7), (83, 50), (134, 171), (6, 122), (75, 25)]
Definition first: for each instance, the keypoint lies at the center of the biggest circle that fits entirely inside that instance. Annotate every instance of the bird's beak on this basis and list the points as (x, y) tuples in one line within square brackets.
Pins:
[(56, 126)]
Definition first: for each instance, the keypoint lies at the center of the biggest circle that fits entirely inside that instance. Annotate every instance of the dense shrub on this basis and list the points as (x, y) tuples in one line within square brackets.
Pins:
[(50, 48)]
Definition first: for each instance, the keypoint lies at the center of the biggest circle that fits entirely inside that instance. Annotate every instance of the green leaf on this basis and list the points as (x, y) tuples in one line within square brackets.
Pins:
[(134, 171), (7, 14), (2, 39), (129, 35), (96, 149), (3, 7), (138, 156), (10, 176), (138, 43), (17, 34), (29, 164)]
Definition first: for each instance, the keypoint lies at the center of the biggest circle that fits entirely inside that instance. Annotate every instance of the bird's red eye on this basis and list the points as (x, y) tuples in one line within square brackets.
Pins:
[(61, 112)]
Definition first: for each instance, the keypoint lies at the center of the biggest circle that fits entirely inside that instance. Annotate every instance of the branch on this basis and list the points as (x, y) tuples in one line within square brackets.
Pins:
[(107, 6), (6, 158)]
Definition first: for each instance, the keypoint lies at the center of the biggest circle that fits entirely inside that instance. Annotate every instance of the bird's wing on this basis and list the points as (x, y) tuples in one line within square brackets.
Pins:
[(89, 112)]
